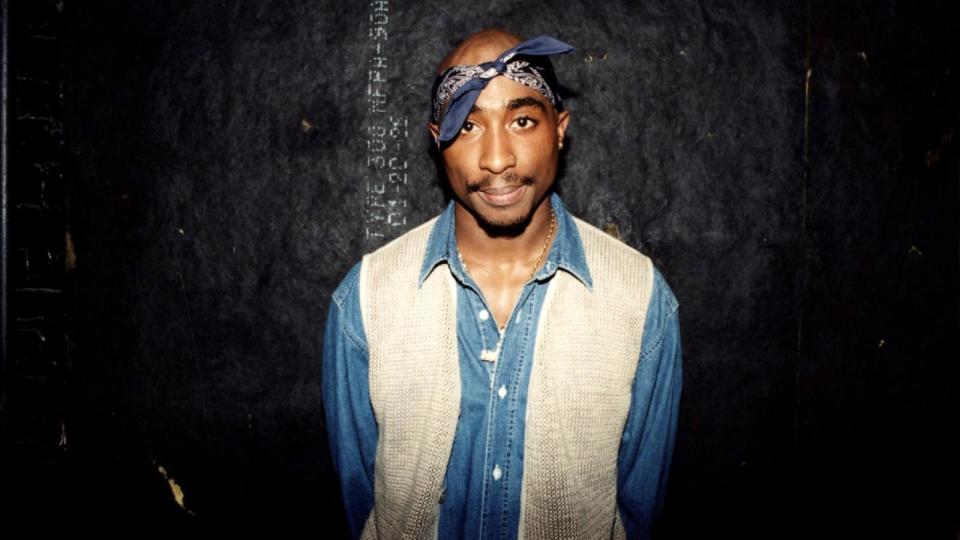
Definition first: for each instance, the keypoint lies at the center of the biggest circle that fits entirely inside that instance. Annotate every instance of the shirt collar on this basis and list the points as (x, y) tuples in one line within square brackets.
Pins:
[(566, 253)]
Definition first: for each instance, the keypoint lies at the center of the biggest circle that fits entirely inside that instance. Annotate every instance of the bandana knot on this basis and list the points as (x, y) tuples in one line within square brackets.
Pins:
[(496, 69)]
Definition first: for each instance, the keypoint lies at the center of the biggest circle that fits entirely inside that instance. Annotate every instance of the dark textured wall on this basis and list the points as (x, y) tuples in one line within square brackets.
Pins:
[(34, 373), (877, 398), (791, 167)]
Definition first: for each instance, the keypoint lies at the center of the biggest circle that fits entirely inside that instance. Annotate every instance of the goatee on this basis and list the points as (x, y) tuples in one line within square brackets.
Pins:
[(509, 227)]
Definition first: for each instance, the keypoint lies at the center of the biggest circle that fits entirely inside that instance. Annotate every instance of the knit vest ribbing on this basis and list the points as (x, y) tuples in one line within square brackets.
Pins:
[(588, 343)]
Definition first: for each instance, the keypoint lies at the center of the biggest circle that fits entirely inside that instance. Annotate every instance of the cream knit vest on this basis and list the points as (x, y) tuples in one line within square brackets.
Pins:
[(588, 343)]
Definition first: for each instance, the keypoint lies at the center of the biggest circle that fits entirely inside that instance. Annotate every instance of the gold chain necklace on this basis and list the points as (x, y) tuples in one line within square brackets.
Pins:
[(543, 250)]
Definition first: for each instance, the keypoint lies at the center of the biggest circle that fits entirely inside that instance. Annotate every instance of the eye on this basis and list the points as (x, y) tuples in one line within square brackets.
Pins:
[(525, 122), (468, 126)]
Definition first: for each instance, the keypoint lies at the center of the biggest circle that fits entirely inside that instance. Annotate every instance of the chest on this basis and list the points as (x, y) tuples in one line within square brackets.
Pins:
[(501, 294)]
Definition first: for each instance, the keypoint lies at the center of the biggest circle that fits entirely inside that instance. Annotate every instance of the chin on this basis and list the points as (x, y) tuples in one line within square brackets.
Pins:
[(504, 223)]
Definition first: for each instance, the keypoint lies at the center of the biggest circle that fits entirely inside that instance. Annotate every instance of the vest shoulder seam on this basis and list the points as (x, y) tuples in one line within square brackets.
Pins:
[(398, 242), (601, 236)]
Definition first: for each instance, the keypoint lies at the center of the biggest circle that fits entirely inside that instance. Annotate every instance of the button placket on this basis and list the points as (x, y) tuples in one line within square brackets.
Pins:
[(502, 432), (482, 319), (501, 429)]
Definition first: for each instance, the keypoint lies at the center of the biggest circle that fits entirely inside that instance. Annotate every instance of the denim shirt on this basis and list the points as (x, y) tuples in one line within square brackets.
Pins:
[(481, 493)]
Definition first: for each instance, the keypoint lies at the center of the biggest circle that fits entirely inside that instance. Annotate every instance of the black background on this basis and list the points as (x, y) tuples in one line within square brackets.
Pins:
[(791, 167)]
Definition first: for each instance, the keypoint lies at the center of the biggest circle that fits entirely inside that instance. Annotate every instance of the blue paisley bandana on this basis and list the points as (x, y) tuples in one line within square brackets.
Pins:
[(456, 89)]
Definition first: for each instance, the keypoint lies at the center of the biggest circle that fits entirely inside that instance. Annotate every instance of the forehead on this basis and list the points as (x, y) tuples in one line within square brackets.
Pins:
[(476, 54)]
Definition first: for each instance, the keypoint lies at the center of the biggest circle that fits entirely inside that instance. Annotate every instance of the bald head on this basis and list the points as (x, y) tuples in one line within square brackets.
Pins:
[(480, 47)]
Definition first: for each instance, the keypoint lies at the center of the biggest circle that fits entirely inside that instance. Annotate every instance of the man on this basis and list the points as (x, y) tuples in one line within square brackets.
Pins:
[(505, 369)]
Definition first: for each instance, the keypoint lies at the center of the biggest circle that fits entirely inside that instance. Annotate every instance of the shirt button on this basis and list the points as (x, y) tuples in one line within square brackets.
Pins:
[(502, 392), (497, 473), (484, 314)]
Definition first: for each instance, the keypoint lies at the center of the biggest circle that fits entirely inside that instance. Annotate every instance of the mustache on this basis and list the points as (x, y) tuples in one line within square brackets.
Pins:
[(511, 180)]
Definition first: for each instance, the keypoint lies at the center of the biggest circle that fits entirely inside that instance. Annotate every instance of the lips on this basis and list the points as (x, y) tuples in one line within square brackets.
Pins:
[(503, 195)]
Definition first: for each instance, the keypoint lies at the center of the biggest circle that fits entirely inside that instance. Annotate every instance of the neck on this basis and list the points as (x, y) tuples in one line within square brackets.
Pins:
[(481, 248)]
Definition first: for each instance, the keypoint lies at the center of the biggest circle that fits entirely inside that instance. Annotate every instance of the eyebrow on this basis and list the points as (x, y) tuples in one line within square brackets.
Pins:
[(518, 103), (525, 102)]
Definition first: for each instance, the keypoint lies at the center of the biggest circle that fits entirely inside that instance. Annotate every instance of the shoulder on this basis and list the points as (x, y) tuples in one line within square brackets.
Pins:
[(393, 271), (662, 321), (347, 287), (600, 243), (663, 294), (603, 249), (415, 239), (615, 267), (344, 317), (396, 265)]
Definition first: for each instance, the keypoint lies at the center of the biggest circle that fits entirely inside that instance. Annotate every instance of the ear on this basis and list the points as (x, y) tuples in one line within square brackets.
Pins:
[(435, 132), (563, 118)]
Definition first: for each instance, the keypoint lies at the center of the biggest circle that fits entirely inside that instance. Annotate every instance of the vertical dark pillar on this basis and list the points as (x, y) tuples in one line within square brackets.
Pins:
[(4, 228), (877, 387), (4, 220), (35, 368)]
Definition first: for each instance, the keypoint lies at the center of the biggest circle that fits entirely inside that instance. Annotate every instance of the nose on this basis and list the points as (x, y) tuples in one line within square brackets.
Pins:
[(497, 151)]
